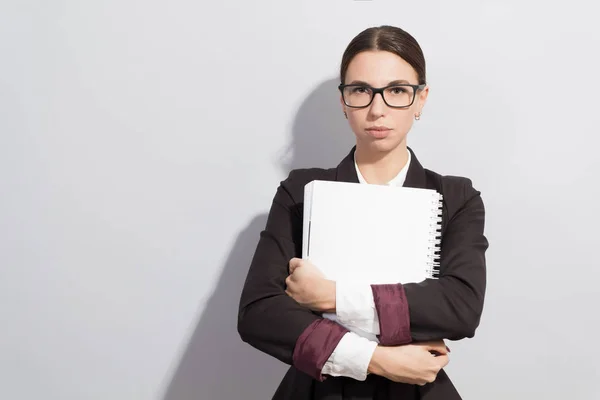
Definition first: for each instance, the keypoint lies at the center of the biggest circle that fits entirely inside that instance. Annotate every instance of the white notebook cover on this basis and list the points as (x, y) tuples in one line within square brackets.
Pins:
[(373, 234)]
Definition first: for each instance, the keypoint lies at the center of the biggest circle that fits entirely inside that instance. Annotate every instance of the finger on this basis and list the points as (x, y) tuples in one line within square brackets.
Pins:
[(442, 361), (294, 263), (437, 347), (442, 343), (290, 290)]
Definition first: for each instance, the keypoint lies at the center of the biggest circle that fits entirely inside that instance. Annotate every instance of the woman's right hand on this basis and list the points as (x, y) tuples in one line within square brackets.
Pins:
[(411, 363)]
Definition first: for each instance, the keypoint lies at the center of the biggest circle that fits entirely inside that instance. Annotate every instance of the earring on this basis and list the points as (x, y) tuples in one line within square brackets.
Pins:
[(345, 115), (418, 116)]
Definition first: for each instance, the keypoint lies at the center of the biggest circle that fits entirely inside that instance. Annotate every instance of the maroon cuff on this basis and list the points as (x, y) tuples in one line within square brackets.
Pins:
[(393, 313), (315, 345)]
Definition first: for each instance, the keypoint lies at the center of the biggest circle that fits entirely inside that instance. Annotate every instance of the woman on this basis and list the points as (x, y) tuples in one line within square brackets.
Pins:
[(383, 90)]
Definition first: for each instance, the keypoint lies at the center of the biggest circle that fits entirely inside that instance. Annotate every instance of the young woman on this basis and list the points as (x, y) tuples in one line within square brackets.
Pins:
[(382, 92)]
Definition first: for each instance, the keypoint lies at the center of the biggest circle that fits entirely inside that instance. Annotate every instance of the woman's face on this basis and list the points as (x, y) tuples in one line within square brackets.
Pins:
[(378, 69)]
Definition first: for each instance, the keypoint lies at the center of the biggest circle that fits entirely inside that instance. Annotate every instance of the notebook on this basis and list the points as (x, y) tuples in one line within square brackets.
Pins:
[(374, 234)]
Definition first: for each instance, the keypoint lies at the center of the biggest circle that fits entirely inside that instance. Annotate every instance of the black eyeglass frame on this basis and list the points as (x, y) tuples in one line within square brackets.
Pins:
[(374, 91)]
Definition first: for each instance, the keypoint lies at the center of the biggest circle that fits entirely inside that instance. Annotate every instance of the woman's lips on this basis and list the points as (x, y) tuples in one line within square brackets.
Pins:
[(379, 132)]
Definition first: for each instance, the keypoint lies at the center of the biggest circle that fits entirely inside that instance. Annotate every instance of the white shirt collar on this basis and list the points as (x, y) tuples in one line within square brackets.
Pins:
[(398, 180)]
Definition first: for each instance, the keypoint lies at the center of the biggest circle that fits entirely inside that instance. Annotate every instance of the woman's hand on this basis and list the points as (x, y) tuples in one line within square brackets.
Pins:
[(309, 287), (412, 363)]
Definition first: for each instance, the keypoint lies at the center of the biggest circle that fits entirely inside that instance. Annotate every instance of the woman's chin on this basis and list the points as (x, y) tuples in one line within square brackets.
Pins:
[(386, 144)]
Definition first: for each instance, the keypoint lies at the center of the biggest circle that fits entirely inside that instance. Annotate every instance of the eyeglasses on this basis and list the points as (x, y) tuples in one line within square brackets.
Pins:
[(399, 95)]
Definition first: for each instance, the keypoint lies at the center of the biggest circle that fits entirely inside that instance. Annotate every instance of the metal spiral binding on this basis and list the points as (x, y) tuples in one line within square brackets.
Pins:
[(433, 263)]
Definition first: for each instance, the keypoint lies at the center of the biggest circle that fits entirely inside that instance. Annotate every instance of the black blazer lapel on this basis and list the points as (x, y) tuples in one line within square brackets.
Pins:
[(345, 171), (415, 176)]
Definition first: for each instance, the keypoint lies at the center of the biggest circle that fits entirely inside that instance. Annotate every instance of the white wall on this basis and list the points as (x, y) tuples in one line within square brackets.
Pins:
[(141, 143)]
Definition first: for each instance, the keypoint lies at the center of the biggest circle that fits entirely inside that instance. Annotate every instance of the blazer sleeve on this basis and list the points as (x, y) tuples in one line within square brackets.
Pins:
[(449, 307), (270, 320)]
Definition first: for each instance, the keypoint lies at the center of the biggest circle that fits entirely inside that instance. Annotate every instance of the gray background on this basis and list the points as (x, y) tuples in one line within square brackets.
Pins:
[(141, 143)]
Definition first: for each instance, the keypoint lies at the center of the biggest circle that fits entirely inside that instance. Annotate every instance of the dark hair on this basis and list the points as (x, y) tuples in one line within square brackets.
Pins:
[(386, 38)]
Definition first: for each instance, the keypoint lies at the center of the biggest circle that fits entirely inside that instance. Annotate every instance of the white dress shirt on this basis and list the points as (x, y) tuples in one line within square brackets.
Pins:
[(355, 308)]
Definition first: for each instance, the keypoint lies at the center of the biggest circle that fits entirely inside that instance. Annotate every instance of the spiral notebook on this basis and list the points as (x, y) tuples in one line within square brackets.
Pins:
[(375, 234)]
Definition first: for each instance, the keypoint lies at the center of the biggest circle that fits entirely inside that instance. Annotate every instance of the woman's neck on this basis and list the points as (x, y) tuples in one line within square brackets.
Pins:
[(381, 167)]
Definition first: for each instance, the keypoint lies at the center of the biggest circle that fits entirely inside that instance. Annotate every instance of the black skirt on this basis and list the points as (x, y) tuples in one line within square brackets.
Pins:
[(298, 386)]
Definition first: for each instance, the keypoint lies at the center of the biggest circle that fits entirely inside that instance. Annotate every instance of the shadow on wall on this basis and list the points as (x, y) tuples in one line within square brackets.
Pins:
[(321, 136), (216, 364)]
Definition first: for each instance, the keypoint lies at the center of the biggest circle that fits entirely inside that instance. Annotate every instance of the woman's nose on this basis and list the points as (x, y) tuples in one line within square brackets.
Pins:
[(377, 105)]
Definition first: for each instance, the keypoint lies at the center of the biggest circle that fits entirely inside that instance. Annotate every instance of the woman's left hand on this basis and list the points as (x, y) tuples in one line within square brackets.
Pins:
[(309, 287)]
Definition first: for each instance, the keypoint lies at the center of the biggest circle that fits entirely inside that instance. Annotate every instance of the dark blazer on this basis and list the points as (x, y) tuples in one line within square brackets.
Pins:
[(446, 308)]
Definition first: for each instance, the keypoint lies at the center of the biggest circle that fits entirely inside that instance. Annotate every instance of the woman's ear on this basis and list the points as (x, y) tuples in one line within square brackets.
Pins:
[(423, 97), (343, 107), (420, 103)]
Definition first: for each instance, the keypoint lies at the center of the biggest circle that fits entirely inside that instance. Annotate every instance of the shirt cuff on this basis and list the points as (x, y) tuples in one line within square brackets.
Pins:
[(315, 345), (355, 307), (394, 315), (351, 357)]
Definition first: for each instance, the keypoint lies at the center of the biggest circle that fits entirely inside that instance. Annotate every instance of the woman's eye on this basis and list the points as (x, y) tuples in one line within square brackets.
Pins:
[(360, 89), (398, 90)]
